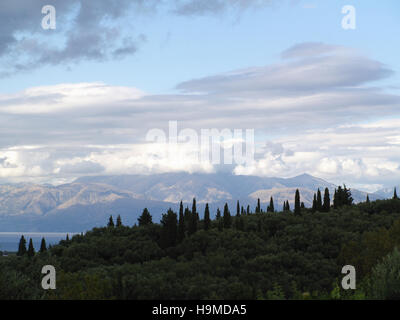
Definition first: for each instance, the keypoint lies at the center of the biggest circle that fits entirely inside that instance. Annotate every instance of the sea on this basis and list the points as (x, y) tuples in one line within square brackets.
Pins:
[(9, 240)]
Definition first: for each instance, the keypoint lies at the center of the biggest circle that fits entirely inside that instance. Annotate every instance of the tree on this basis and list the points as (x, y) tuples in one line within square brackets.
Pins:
[(319, 201), (43, 247), (31, 249), (227, 217), (287, 206), (314, 204), (181, 224), (297, 205), (220, 222), (347, 198), (194, 209), (237, 209), (342, 197), (169, 229), (21, 246), (336, 199), (327, 201), (110, 222), (271, 206), (218, 215), (207, 220), (248, 210), (395, 194), (193, 219), (367, 201), (119, 221), (385, 278), (145, 219), (258, 208)]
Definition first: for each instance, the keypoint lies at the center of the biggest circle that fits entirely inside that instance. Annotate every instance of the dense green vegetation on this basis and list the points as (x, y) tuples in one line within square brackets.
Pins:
[(245, 255)]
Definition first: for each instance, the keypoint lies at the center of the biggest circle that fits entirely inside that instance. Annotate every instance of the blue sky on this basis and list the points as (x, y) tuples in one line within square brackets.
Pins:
[(179, 48), (321, 99)]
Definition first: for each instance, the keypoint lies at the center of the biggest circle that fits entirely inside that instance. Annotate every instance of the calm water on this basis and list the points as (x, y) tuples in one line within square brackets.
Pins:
[(9, 240)]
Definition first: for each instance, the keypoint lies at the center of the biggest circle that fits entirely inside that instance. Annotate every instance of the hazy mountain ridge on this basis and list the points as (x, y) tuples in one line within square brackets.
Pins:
[(88, 201)]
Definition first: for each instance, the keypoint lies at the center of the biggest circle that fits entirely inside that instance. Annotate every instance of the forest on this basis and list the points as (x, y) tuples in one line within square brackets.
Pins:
[(240, 253)]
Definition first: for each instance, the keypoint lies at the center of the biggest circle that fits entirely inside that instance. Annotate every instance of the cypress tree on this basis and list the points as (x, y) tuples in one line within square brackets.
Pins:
[(21, 246), (119, 221), (237, 209), (314, 204), (194, 209), (169, 229), (43, 247), (145, 219), (347, 198), (192, 223), (395, 194), (110, 222), (242, 212), (227, 217), (327, 201), (181, 224), (297, 205), (187, 216), (248, 210), (367, 201), (31, 249), (181, 208), (220, 222), (319, 201), (207, 220), (302, 206), (67, 238), (335, 200), (258, 208), (287, 206), (271, 205), (218, 215)]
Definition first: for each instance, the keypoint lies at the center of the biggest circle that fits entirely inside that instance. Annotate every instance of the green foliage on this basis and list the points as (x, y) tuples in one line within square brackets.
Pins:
[(297, 206), (43, 247), (327, 201), (110, 222), (227, 217), (31, 249), (207, 221), (22, 246), (385, 278), (145, 219), (169, 229), (266, 256), (119, 221)]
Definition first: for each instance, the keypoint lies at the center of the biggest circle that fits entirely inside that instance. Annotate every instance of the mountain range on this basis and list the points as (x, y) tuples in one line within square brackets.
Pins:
[(88, 201)]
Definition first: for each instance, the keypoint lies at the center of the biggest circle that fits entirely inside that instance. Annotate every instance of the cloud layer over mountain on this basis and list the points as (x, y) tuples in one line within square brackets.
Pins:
[(317, 111)]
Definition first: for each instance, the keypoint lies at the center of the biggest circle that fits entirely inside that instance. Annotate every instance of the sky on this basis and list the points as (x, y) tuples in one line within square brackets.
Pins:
[(80, 99)]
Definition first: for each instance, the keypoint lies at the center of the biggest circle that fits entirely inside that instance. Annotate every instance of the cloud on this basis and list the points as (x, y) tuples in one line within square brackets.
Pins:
[(86, 30), (319, 110), (312, 67), (203, 7)]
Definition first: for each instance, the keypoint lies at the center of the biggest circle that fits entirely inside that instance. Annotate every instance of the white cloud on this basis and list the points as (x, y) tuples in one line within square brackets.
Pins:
[(327, 123)]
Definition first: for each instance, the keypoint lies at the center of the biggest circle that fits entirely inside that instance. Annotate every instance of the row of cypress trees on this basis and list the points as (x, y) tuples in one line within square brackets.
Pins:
[(30, 252)]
